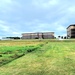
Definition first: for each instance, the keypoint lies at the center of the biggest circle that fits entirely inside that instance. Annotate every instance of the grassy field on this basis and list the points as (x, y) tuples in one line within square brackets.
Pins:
[(11, 50), (48, 57)]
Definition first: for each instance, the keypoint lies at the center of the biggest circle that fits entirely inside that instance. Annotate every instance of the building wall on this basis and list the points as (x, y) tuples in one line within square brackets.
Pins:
[(71, 31), (45, 35)]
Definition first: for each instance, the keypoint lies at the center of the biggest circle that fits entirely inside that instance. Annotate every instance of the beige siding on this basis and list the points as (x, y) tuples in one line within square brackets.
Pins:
[(70, 32), (44, 35)]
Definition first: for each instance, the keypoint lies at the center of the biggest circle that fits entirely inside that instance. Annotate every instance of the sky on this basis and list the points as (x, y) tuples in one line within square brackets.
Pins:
[(19, 16)]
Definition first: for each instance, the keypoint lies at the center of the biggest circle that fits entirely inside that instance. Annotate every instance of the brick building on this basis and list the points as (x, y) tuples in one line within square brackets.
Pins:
[(40, 35), (71, 31)]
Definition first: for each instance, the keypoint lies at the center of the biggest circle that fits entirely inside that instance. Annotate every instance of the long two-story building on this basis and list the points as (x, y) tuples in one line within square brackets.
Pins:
[(38, 35)]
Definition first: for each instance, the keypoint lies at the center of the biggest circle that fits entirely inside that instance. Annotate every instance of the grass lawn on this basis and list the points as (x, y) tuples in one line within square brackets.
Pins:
[(53, 58)]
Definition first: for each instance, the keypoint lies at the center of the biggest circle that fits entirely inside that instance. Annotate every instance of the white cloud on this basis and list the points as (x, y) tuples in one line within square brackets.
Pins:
[(61, 28), (2, 22), (15, 33), (8, 6), (3, 26), (53, 2), (8, 31), (45, 3), (5, 1)]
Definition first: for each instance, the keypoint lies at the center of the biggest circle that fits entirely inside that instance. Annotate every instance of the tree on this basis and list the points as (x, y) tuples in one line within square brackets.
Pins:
[(65, 37), (61, 37), (58, 36)]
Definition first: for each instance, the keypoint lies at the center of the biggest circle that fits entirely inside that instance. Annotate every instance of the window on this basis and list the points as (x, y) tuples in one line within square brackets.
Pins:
[(72, 29)]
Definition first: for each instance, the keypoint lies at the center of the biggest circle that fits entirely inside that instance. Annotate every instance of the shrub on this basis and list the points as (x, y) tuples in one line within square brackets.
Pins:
[(0, 55)]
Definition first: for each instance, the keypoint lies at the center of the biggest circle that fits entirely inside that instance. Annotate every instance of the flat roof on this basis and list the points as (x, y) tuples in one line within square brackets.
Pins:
[(36, 32), (71, 25)]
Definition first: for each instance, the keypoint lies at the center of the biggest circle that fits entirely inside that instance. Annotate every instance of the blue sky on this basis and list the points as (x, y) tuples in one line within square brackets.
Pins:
[(19, 16)]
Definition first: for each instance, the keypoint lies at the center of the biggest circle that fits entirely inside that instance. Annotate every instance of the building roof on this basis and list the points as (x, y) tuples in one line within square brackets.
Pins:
[(71, 25), (36, 32)]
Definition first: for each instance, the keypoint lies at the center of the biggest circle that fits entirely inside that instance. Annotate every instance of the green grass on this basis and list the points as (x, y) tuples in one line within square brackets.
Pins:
[(51, 58), (8, 54)]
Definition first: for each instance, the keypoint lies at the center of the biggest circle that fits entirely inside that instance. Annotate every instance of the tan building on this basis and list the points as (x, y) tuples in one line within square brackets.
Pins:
[(71, 31), (40, 35)]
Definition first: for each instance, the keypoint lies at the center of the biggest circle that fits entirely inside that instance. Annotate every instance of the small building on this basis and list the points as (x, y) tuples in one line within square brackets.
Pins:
[(38, 35), (71, 31)]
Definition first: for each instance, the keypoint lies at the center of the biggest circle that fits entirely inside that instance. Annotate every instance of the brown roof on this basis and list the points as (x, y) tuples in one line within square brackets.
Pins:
[(71, 25)]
